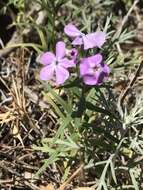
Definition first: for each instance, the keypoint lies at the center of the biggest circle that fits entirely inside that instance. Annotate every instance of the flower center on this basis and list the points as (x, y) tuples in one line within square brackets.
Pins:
[(56, 61), (95, 69), (72, 53)]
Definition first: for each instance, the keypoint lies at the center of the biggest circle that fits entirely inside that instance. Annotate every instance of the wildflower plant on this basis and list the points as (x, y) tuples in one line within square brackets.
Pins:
[(80, 72), (80, 64), (90, 129)]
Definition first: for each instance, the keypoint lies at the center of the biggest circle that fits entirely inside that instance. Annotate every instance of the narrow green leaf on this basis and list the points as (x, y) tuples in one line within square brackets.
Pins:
[(56, 108), (113, 172), (59, 99), (92, 107), (49, 161), (104, 185), (64, 123)]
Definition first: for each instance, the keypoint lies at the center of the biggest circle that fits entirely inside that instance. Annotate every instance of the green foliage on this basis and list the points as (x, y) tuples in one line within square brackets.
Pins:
[(17, 3)]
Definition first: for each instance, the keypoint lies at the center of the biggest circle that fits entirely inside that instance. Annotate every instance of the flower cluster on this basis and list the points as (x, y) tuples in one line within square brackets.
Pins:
[(92, 69)]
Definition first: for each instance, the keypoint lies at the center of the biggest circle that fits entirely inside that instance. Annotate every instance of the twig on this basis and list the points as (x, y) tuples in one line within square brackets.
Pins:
[(6, 181)]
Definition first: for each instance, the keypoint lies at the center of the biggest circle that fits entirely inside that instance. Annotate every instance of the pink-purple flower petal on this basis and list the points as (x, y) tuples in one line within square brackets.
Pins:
[(46, 58), (66, 63), (95, 60), (90, 80), (106, 69), (47, 72), (97, 38), (87, 42), (101, 77), (71, 30), (77, 41), (84, 67), (62, 75), (60, 50)]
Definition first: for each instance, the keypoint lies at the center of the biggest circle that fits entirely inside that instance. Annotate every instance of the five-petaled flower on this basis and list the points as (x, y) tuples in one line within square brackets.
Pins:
[(93, 70), (56, 66), (95, 39)]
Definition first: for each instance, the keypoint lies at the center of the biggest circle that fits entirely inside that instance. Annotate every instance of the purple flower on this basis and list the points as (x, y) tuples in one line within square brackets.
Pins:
[(91, 40), (93, 70), (56, 66)]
